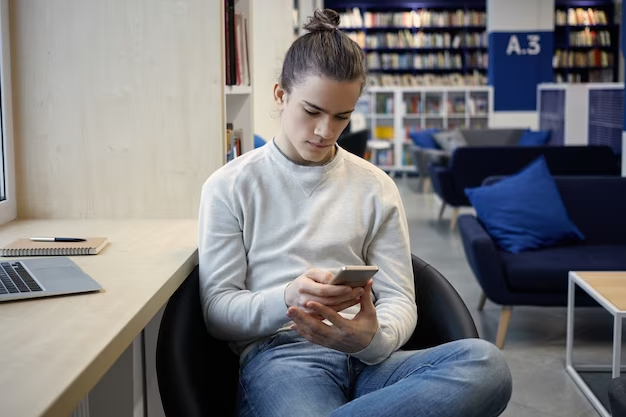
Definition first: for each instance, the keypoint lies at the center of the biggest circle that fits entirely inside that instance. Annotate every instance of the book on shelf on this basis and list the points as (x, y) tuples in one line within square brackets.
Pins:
[(234, 137), (353, 18), (383, 133), (408, 80), (580, 17), (580, 59), (588, 37), (404, 39), (383, 104), (237, 48)]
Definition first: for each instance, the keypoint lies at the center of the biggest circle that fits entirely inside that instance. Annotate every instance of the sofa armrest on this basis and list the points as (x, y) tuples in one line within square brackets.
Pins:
[(431, 156), (483, 257)]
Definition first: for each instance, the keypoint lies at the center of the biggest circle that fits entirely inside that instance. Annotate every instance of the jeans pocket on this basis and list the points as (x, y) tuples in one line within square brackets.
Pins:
[(262, 346)]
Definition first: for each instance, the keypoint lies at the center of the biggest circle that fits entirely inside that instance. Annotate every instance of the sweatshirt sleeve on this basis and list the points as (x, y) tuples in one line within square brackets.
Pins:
[(394, 288), (231, 311)]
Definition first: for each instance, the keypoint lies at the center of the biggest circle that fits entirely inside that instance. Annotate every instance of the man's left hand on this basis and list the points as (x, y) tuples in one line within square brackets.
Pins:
[(344, 335)]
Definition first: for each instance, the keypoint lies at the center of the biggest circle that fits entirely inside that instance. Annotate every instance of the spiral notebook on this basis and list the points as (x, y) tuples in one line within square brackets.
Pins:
[(26, 247)]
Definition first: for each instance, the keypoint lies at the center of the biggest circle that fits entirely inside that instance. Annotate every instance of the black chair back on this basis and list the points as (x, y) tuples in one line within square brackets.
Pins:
[(198, 374), (355, 142)]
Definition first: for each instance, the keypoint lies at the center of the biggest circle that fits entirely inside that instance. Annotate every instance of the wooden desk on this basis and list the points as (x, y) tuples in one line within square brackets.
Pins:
[(54, 350)]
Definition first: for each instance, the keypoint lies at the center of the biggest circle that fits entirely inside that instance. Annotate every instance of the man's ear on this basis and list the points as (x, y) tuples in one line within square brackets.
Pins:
[(279, 96)]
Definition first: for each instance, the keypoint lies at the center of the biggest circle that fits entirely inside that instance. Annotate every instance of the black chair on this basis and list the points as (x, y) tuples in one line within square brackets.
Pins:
[(354, 142), (197, 374)]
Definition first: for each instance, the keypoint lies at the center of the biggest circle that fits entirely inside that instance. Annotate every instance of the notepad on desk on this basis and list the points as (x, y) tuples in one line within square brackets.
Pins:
[(27, 247)]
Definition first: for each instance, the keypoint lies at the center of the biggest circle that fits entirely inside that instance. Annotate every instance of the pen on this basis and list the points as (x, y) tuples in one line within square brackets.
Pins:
[(56, 239)]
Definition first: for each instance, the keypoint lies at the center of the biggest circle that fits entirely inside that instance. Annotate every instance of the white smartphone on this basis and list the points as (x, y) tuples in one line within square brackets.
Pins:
[(355, 276)]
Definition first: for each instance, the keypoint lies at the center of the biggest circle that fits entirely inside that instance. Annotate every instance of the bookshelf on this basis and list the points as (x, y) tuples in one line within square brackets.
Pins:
[(413, 44), (391, 113), (238, 91), (586, 45)]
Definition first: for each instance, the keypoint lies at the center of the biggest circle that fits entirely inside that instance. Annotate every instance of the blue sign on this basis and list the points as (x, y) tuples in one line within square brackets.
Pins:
[(518, 61)]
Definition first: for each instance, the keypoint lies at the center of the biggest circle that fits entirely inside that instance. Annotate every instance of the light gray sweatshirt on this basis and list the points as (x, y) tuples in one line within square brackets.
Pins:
[(265, 220)]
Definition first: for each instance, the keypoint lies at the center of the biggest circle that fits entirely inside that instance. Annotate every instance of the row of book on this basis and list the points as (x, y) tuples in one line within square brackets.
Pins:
[(577, 59), (413, 19), (589, 37), (474, 104), (441, 60), (580, 17), (425, 61), (407, 39), (476, 78), (237, 54), (382, 104), (594, 76), (234, 137), (384, 158)]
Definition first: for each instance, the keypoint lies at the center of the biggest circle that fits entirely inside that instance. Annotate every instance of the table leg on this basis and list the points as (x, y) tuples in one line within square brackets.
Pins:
[(570, 322)]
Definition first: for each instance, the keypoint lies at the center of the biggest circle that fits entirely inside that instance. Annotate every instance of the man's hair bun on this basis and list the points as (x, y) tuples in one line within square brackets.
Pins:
[(323, 20)]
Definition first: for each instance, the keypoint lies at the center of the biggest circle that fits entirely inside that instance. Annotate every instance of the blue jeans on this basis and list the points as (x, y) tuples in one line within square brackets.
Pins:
[(288, 376)]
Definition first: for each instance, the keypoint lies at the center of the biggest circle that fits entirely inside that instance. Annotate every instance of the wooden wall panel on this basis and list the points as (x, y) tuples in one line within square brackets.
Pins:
[(118, 106)]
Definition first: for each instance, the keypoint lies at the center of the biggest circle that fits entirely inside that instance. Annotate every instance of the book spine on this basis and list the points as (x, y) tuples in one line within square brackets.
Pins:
[(231, 42)]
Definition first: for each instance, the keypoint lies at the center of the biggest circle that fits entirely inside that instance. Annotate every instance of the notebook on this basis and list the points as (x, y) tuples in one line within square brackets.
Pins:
[(26, 247)]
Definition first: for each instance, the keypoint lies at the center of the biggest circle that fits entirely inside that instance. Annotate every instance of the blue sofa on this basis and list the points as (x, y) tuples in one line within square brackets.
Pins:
[(596, 205), (470, 166)]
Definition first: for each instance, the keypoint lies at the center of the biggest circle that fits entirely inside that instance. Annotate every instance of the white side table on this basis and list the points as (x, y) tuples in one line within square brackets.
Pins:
[(608, 289)]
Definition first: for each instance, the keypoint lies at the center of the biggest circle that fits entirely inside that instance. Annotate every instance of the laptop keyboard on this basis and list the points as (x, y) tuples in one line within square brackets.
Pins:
[(14, 278)]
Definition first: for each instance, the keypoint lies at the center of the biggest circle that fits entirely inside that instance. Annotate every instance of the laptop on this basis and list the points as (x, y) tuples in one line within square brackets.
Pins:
[(42, 277)]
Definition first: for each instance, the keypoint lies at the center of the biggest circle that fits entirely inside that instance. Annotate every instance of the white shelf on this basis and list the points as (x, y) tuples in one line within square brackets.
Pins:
[(231, 90), (437, 106)]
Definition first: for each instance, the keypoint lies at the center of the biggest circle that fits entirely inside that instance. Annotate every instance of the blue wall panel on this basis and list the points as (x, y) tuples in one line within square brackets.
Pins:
[(518, 62), (552, 114), (606, 118)]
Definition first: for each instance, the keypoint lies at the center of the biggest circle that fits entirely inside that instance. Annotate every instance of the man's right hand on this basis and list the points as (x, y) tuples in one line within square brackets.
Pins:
[(314, 285)]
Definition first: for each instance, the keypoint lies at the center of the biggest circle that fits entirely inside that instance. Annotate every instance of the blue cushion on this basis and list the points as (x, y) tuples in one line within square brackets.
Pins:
[(258, 141), (424, 138), (534, 138), (525, 211)]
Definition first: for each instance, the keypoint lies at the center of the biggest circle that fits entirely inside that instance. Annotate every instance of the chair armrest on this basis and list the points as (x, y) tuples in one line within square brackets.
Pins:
[(435, 154), (483, 256), (442, 316)]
